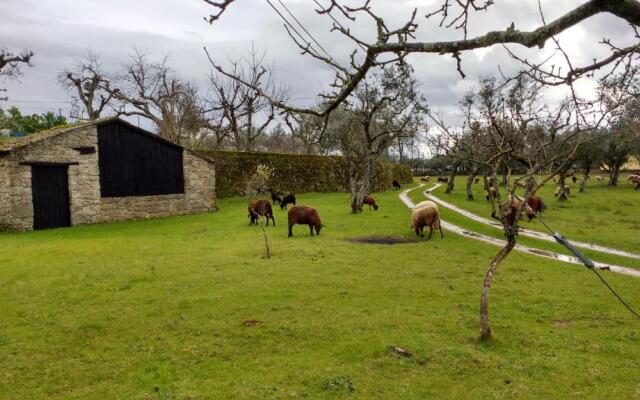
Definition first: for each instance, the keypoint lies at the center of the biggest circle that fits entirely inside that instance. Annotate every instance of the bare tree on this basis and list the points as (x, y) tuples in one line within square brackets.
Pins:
[(388, 107), (399, 42), (11, 63), (589, 155), (153, 90), (620, 94), (241, 111), (517, 133), (306, 132), (89, 86)]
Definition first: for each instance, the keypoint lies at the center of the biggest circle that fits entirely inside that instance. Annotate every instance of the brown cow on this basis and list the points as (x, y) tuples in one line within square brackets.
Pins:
[(370, 201), (509, 209), (259, 208), (537, 205), (303, 215)]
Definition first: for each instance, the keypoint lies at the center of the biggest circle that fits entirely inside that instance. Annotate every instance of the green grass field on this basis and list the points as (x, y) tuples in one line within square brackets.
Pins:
[(602, 214), (157, 310)]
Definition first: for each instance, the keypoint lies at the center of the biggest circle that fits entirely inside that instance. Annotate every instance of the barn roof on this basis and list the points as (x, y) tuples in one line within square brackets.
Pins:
[(8, 145)]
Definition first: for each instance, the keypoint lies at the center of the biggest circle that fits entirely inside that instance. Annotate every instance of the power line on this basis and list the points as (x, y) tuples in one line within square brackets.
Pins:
[(40, 101), (337, 22), (587, 263), (305, 30), (286, 21)]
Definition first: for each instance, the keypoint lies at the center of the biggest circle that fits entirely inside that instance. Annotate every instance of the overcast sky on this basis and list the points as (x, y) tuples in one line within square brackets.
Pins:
[(60, 32)]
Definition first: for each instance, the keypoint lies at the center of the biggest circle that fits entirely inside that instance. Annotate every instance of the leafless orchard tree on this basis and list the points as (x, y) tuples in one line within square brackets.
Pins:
[(152, 90), (11, 63), (528, 139), (307, 131), (397, 43), (621, 96), (385, 108), (518, 128), (237, 109), (89, 86)]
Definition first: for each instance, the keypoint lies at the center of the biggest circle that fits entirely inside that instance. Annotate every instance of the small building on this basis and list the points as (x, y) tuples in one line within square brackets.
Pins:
[(101, 171)]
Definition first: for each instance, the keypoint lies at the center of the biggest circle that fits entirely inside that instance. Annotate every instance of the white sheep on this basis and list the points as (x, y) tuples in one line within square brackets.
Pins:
[(426, 216)]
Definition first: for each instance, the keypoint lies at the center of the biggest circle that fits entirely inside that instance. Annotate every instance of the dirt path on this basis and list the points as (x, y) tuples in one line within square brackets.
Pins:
[(525, 232), (404, 197)]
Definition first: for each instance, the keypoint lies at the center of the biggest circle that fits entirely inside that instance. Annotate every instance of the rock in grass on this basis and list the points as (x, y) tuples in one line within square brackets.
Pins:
[(400, 351)]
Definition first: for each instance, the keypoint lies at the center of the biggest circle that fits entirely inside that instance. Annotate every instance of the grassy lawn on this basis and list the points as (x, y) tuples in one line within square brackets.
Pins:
[(467, 223), (606, 215), (155, 310)]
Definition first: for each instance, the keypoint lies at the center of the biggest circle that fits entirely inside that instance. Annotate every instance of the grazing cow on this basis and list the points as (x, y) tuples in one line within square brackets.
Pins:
[(537, 205), (288, 199), (396, 184), (370, 201), (303, 215), (426, 216), (476, 180), (509, 209), (275, 197), (425, 179), (574, 178), (259, 208), (636, 180), (443, 179)]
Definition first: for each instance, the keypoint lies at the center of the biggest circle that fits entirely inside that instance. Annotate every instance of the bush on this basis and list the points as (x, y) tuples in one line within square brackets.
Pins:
[(294, 172)]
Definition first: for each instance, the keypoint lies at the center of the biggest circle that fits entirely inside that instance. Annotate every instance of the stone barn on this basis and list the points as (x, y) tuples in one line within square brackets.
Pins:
[(107, 170)]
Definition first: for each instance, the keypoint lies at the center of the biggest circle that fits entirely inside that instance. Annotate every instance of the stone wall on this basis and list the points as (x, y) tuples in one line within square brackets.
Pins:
[(199, 196), (87, 206), (4, 193)]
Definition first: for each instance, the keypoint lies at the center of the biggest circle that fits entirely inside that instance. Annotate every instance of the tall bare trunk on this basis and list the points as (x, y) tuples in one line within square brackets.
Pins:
[(562, 191), (485, 329), (452, 178), (357, 184), (368, 173), (614, 174), (585, 178), (470, 178)]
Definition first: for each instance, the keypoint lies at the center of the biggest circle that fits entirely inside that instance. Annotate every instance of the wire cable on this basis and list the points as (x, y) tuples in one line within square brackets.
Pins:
[(286, 21), (305, 30), (587, 263)]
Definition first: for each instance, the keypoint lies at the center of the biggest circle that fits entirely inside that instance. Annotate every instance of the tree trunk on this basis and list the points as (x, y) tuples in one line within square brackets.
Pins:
[(485, 330), (357, 185), (585, 178), (452, 178), (614, 174), (368, 174), (470, 178), (562, 192)]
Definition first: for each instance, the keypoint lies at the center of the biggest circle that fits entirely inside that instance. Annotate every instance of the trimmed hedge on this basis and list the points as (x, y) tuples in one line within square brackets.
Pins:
[(295, 172)]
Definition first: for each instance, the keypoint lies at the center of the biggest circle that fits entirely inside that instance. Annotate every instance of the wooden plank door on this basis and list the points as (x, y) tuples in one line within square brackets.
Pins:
[(50, 190)]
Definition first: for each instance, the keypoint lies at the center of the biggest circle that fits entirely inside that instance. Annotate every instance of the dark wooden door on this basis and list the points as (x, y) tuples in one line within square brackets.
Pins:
[(50, 189)]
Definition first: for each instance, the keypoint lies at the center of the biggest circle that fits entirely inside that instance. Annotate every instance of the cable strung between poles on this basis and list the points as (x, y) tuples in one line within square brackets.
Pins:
[(587, 263)]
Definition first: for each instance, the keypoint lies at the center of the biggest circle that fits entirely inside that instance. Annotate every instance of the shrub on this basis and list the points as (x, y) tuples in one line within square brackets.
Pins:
[(294, 172)]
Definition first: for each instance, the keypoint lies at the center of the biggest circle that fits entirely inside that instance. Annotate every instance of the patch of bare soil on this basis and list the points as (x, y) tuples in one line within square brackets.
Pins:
[(252, 322), (381, 240)]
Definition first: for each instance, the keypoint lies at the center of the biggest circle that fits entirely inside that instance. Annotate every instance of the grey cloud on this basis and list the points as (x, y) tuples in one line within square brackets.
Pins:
[(60, 31)]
